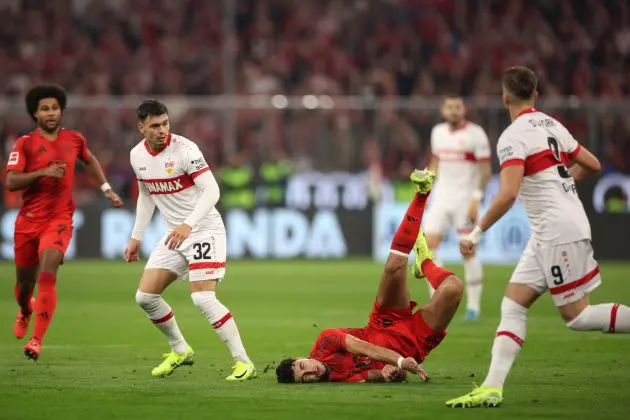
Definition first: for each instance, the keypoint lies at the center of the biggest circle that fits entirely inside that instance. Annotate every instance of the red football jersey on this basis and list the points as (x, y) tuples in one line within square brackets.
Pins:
[(330, 348), (48, 197)]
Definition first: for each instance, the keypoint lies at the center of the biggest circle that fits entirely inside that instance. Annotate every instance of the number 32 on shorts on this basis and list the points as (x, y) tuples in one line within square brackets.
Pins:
[(202, 251)]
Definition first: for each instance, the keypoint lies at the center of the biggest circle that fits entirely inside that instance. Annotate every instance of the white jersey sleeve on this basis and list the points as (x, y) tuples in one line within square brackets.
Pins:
[(511, 151), (194, 164)]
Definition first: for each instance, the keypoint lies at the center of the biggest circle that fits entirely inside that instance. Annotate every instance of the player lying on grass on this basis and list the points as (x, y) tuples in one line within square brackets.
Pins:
[(396, 339), (42, 164), (540, 163)]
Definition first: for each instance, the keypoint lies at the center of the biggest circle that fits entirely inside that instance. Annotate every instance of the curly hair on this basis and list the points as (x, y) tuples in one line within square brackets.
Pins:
[(39, 92)]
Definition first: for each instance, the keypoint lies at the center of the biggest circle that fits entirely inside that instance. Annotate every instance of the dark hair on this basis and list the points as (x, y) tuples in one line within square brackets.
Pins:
[(520, 82), (285, 372), (39, 92), (151, 107)]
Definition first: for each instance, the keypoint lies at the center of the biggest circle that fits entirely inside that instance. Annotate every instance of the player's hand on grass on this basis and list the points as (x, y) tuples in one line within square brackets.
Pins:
[(409, 364), (132, 251), (467, 248), (392, 374), (177, 236), (113, 198), (55, 170)]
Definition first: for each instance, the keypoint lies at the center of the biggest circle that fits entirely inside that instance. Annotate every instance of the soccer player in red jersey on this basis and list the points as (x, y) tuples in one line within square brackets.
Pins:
[(396, 339), (42, 164)]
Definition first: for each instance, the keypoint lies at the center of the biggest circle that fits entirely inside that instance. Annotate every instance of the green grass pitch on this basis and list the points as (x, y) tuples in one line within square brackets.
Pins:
[(100, 350)]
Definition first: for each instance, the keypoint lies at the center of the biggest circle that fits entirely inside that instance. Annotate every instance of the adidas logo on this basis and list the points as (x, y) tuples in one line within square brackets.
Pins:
[(41, 149), (43, 315)]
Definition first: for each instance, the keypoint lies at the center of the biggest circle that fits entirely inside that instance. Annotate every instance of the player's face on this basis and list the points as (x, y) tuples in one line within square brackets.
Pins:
[(453, 110), (48, 114), (309, 370), (155, 130)]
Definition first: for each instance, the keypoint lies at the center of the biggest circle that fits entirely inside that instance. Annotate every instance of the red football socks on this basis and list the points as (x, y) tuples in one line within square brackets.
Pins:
[(23, 303), (407, 233), (434, 273), (45, 304)]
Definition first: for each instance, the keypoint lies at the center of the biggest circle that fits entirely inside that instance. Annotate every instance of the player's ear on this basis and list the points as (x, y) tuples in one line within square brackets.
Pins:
[(536, 95), (140, 127)]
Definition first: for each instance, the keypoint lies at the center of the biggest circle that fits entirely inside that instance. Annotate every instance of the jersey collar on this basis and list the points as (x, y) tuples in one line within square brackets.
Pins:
[(461, 126), (527, 111), (151, 152)]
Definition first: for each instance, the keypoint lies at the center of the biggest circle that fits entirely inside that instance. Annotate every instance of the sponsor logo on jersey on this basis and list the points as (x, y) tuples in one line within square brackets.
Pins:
[(198, 163), (505, 153), (168, 186), (142, 168)]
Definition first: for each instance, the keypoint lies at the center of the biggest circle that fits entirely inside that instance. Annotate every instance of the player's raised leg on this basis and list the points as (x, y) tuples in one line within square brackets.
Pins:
[(434, 239), (439, 312), (153, 282), (393, 291)]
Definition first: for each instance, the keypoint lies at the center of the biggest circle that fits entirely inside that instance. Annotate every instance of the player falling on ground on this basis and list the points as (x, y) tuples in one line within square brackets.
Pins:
[(540, 163), (461, 160), (174, 176), (396, 339), (42, 164)]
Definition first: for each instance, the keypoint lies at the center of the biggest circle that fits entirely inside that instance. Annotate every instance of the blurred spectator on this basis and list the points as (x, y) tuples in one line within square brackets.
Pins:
[(370, 48)]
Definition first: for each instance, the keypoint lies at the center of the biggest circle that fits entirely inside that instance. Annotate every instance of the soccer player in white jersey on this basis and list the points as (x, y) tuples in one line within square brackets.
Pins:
[(540, 163), (461, 159), (174, 176)]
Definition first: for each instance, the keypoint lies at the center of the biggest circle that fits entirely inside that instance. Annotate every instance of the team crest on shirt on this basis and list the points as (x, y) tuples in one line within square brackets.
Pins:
[(169, 165)]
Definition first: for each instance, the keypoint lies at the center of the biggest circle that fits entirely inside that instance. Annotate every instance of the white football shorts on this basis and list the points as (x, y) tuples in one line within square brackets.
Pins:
[(202, 256), (441, 216), (568, 271)]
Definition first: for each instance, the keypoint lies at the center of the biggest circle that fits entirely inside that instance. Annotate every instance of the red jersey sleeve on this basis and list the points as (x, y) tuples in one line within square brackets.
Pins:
[(359, 377), (330, 341), (17, 158), (83, 149)]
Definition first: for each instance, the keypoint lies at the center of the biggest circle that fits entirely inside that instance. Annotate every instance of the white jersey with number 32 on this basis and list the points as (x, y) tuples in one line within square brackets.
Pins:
[(168, 177), (544, 146)]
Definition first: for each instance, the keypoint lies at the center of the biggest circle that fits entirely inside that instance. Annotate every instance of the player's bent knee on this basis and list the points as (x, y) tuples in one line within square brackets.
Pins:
[(512, 310), (395, 265), (146, 300), (452, 288)]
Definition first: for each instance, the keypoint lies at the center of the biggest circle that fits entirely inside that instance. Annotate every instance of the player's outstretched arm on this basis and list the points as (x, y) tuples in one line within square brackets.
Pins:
[(382, 354), (145, 207), (510, 180), (585, 165), (95, 172)]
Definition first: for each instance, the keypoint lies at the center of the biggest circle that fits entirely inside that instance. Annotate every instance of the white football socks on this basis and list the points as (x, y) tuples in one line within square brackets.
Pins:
[(161, 314), (606, 317), (473, 273), (222, 322), (507, 343)]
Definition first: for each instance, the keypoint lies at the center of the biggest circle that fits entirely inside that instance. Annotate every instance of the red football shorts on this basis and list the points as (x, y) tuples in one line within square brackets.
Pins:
[(404, 331), (32, 238)]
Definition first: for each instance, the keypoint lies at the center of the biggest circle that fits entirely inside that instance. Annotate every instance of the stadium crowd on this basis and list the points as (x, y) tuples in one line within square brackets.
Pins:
[(370, 48)]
